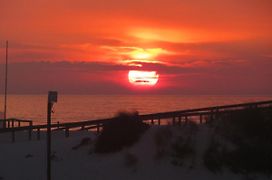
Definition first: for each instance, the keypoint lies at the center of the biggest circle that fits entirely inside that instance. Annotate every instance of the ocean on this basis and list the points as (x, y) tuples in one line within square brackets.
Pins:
[(71, 108)]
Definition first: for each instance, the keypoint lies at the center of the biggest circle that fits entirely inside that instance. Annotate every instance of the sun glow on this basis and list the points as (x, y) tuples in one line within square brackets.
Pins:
[(143, 78), (141, 55), (147, 54)]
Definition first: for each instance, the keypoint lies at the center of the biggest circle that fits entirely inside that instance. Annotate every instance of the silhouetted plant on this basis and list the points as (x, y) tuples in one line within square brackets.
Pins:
[(124, 130), (162, 136), (247, 125), (250, 159), (213, 158), (182, 147), (85, 141), (162, 140), (130, 160), (250, 131)]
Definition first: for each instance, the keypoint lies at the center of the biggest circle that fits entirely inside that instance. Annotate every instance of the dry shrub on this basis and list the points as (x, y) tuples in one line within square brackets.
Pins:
[(130, 160), (123, 131), (85, 141), (250, 131), (162, 140)]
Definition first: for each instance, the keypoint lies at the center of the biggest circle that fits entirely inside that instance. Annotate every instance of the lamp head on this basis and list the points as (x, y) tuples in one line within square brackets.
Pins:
[(52, 96)]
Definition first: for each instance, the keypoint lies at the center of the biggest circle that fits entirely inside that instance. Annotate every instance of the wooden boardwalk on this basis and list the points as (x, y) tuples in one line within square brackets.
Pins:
[(200, 115)]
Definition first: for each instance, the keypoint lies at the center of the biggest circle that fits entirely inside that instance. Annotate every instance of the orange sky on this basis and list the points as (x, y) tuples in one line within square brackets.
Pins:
[(178, 34)]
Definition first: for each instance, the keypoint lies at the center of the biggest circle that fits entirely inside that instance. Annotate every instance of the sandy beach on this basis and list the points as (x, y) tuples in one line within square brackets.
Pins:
[(26, 160)]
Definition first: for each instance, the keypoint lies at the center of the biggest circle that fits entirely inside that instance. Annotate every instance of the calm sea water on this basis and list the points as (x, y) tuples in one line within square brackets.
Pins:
[(86, 107)]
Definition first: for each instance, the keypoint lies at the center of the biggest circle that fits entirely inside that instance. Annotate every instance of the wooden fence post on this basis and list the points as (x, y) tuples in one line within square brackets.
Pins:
[(179, 120), (67, 132), (211, 116), (30, 131), (38, 134), (159, 121), (12, 123), (186, 119), (216, 113), (98, 128), (174, 120), (13, 136)]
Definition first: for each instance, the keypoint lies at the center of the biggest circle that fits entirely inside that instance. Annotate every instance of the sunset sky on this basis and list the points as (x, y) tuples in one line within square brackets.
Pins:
[(89, 46)]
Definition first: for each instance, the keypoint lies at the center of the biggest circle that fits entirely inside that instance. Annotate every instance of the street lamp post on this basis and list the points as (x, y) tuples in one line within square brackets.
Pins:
[(6, 87), (52, 98)]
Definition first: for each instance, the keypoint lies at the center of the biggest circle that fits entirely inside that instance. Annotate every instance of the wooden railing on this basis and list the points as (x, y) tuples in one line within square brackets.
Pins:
[(200, 112), (13, 122), (177, 117)]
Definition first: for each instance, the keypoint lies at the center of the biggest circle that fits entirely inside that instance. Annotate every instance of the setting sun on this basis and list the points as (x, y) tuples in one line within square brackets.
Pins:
[(146, 78)]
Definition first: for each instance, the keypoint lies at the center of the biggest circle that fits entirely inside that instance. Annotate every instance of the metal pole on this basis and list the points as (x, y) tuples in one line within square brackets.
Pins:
[(6, 86), (49, 109), (52, 98)]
